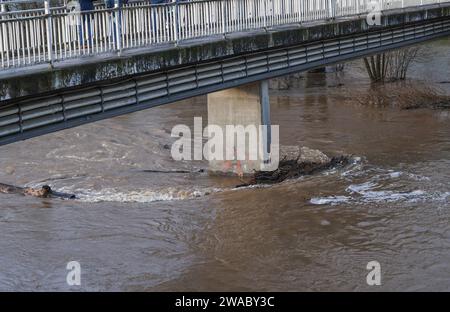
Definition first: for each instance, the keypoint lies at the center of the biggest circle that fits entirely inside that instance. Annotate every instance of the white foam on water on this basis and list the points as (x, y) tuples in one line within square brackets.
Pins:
[(139, 196), (418, 177), (356, 166), (390, 196), (395, 174), (254, 186), (376, 197), (444, 196), (360, 188), (329, 200), (370, 192), (367, 192)]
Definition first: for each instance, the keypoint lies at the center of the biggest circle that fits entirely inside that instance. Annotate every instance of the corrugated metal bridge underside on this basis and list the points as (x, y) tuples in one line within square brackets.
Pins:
[(21, 119)]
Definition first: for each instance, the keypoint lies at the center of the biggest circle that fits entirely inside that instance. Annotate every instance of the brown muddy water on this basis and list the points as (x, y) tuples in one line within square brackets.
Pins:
[(132, 230)]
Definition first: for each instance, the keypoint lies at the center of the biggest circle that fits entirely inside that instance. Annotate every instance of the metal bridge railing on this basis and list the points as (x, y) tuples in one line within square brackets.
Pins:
[(47, 35)]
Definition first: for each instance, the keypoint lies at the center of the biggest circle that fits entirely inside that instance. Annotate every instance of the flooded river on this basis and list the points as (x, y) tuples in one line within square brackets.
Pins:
[(136, 230)]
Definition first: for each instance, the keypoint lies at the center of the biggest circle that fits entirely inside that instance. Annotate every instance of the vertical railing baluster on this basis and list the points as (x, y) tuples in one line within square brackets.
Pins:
[(118, 21), (330, 11), (177, 22), (3, 45), (265, 13), (49, 27)]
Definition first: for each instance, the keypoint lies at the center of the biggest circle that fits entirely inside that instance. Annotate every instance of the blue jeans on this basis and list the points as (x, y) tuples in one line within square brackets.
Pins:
[(86, 20)]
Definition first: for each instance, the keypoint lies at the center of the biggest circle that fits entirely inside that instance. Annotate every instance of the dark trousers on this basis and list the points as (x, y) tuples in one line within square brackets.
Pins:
[(85, 30)]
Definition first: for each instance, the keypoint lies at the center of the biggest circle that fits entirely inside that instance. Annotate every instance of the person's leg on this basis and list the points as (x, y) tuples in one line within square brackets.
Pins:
[(112, 23), (81, 31), (120, 24), (90, 35)]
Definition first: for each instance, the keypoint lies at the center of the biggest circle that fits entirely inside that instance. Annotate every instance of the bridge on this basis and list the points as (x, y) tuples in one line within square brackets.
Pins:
[(61, 68)]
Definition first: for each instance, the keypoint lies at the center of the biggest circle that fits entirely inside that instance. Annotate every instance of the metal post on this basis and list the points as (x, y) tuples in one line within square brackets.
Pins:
[(49, 33), (265, 13), (265, 116), (330, 9), (222, 5), (177, 23), (118, 19), (302, 12), (2, 46), (273, 13)]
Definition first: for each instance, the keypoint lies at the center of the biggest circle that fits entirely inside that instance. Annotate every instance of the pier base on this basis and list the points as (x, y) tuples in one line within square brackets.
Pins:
[(239, 112)]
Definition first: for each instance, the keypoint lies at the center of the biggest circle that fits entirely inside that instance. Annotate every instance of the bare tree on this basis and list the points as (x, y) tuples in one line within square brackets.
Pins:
[(390, 66)]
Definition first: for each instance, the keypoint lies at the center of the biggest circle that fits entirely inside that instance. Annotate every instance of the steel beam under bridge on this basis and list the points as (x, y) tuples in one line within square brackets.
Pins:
[(25, 118)]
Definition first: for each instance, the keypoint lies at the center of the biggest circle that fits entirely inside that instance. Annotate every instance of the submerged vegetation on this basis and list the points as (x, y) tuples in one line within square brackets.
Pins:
[(404, 95), (388, 72), (390, 66)]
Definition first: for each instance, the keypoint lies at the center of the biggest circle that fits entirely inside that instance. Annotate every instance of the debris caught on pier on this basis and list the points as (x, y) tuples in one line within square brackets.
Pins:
[(296, 162)]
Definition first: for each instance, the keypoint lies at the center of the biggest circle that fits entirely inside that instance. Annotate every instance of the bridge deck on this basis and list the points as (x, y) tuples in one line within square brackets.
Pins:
[(144, 79), (51, 35)]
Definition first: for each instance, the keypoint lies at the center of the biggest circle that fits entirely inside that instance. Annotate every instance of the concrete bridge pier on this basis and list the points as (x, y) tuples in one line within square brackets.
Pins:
[(237, 114)]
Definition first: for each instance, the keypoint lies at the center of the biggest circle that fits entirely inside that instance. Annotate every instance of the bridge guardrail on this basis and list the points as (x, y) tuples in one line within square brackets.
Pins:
[(54, 34)]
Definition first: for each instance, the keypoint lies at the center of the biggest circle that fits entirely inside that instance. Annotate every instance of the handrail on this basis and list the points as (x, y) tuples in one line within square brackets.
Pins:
[(47, 35)]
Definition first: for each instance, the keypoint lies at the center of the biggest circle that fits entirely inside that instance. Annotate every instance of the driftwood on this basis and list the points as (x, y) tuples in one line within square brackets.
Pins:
[(292, 168), (44, 192)]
